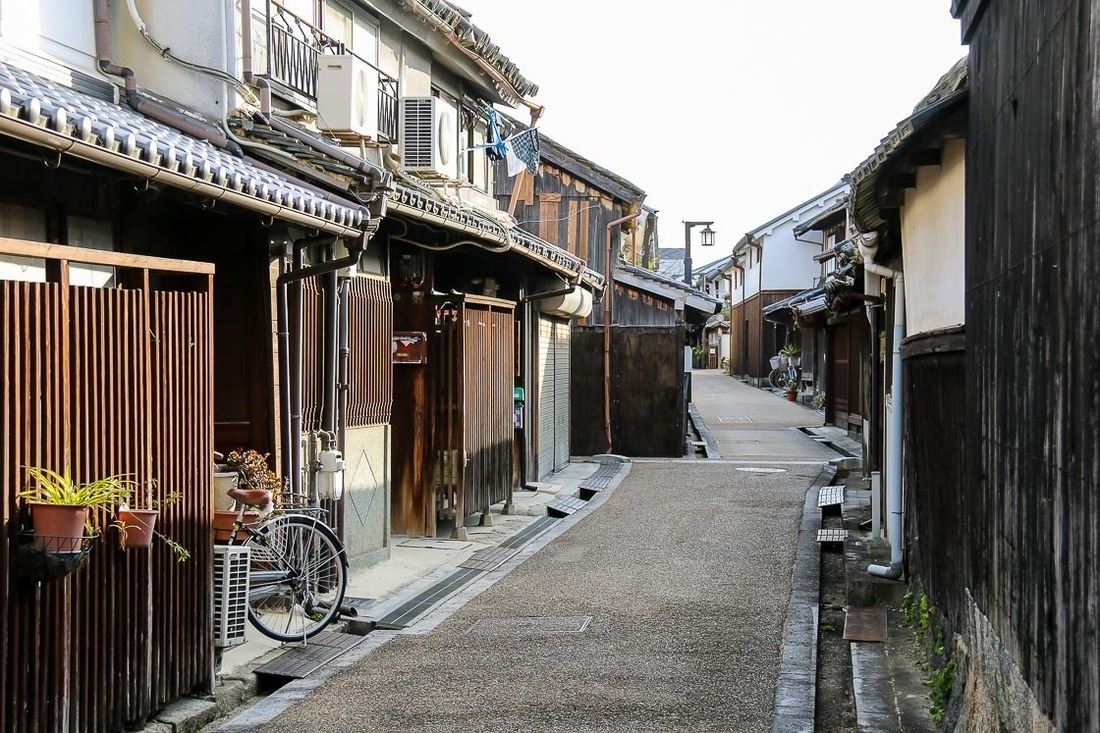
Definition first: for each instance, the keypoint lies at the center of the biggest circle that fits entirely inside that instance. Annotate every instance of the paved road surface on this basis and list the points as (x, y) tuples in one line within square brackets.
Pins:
[(682, 574)]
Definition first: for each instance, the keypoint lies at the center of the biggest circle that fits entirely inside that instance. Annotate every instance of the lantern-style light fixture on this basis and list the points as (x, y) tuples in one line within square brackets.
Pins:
[(707, 236)]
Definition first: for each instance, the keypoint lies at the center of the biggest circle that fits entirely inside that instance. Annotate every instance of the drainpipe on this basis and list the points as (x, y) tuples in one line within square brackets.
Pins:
[(343, 361), (141, 103), (609, 291), (868, 246)]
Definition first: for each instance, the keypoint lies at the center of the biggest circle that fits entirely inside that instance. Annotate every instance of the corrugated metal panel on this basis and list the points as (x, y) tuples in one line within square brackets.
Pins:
[(545, 385), (562, 329)]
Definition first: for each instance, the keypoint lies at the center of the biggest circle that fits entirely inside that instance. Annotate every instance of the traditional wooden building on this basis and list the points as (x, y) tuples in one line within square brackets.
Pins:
[(1022, 578), (770, 264)]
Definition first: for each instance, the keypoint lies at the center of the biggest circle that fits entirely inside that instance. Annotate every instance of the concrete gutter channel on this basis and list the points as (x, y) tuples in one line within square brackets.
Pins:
[(795, 697)]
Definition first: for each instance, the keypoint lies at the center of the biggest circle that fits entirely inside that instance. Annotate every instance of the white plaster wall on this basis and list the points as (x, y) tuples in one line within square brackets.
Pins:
[(59, 29), (788, 262), (933, 225), (367, 495)]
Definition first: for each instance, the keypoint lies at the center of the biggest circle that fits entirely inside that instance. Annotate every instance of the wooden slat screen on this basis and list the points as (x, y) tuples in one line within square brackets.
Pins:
[(370, 339), (313, 358), (107, 381)]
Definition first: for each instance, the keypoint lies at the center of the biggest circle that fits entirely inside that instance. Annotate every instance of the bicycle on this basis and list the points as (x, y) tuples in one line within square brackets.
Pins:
[(783, 376), (298, 568)]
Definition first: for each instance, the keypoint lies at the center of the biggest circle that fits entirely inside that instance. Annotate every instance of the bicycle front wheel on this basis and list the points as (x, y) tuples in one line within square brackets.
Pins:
[(297, 577), (778, 378)]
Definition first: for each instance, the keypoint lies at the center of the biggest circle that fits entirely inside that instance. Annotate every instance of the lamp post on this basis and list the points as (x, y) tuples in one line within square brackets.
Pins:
[(707, 240)]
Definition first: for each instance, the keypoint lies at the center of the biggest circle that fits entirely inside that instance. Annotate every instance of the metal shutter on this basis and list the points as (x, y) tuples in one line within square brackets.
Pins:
[(562, 330), (546, 396)]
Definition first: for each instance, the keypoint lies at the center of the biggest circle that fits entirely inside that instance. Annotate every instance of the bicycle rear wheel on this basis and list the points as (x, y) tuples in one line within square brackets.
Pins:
[(297, 577), (778, 378)]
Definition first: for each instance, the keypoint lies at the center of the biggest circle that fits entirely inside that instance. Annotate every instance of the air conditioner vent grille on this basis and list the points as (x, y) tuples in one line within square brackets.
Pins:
[(418, 118), (230, 594)]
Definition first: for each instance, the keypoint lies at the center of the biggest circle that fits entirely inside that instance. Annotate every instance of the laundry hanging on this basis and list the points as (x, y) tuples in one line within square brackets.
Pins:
[(523, 152)]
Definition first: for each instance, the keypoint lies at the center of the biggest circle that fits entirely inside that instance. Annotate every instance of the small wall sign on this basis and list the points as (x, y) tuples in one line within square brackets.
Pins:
[(410, 347)]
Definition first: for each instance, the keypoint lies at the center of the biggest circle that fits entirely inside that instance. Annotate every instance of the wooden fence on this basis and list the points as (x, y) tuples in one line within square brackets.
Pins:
[(107, 381), (648, 399)]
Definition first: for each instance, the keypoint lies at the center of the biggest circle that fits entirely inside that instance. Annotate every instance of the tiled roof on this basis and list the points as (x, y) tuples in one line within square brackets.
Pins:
[(478, 41), (949, 91), (44, 112)]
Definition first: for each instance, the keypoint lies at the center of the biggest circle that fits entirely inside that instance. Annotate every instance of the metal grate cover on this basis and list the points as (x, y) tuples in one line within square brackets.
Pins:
[(865, 624), (530, 532), (490, 558), (298, 662), (356, 602), (530, 625), (565, 506), (832, 536), (603, 475), (830, 496), (420, 604)]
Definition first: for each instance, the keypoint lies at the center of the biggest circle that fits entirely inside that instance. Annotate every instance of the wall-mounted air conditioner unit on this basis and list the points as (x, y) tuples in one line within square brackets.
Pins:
[(347, 95), (230, 594), (429, 136)]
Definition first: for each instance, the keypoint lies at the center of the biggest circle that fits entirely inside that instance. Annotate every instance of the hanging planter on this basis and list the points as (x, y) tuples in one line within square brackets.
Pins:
[(135, 527), (58, 527)]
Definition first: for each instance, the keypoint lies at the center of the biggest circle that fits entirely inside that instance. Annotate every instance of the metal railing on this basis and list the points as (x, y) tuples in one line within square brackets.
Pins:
[(293, 48)]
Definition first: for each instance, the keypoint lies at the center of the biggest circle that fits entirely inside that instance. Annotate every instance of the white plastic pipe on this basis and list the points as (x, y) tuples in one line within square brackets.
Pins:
[(895, 421)]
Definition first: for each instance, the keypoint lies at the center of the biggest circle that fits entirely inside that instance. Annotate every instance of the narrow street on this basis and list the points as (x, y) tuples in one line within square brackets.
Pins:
[(661, 609)]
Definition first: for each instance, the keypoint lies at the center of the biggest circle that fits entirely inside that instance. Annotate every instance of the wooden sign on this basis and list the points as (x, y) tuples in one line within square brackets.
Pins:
[(410, 347)]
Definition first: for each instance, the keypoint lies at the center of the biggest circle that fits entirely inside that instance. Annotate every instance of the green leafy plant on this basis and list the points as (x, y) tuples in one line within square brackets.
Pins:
[(60, 489), (790, 350), (922, 615), (181, 552), (819, 400)]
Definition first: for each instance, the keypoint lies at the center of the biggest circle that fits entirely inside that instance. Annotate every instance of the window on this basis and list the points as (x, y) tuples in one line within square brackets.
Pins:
[(357, 30), (22, 222)]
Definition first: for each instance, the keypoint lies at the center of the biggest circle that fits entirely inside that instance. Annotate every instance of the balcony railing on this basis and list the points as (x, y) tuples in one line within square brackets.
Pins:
[(291, 59)]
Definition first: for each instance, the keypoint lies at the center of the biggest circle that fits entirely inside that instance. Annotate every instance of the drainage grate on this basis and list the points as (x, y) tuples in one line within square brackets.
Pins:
[(602, 476), (831, 536), (355, 602), (530, 625), (565, 506), (490, 558), (530, 532), (298, 662), (830, 496), (409, 611)]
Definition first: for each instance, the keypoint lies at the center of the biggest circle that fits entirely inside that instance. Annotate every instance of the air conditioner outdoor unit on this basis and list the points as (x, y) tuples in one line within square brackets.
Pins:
[(429, 136), (230, 594), (347, 95)]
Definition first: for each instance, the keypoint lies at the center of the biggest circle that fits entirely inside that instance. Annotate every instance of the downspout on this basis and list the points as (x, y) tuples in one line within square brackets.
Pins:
[(331, 337), (342, 363), (143, 104), (868, 246), (291, 358), (609, 291)]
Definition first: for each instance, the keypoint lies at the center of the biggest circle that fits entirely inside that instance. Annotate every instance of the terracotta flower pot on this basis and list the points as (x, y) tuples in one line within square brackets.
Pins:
[(792, 396), (58, 527), (223, 524), (136, 527)]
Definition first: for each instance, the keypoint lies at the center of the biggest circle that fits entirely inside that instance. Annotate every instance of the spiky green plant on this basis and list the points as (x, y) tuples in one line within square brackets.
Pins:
[(59, 488)]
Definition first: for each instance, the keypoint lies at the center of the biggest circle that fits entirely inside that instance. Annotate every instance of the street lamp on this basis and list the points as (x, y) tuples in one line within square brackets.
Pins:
[(706, 239)]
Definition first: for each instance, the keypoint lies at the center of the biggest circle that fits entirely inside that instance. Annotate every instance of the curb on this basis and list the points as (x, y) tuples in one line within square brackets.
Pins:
[(264, 710), (796, 689)]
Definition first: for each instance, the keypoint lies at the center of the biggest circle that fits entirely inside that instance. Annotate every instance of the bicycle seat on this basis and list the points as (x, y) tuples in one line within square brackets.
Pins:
[(250, 497)]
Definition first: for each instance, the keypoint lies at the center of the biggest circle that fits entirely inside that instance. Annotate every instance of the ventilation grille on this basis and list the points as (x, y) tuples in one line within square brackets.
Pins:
[(230, 594), (417, 132)]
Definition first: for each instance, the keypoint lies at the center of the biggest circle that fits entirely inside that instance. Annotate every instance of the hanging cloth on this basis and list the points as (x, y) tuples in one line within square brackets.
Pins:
[(523, 152)]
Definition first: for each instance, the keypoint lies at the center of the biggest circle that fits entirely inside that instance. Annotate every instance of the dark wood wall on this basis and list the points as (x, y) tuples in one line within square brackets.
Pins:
[(754, 345), (632, 307), (1032, 506), (107, 381), (647, 391), (563, 209)]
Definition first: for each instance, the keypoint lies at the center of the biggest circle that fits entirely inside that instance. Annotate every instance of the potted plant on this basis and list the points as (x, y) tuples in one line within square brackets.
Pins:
[(59, 506), (136, 527), (792, 353), (252, 472)]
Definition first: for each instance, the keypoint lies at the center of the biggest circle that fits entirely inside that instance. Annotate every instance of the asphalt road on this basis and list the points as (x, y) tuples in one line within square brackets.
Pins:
[(680, 580)]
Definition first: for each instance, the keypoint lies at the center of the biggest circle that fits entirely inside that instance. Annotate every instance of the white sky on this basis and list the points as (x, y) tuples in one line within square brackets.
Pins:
[(724, 110)]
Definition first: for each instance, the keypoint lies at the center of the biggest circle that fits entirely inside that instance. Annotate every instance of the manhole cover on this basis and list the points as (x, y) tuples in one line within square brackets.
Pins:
[(530, 625), (762, 469)]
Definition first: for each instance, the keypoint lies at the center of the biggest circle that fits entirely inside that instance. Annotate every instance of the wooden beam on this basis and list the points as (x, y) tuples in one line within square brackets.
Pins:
[(928, 156), (902, 181), (24, 248)]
